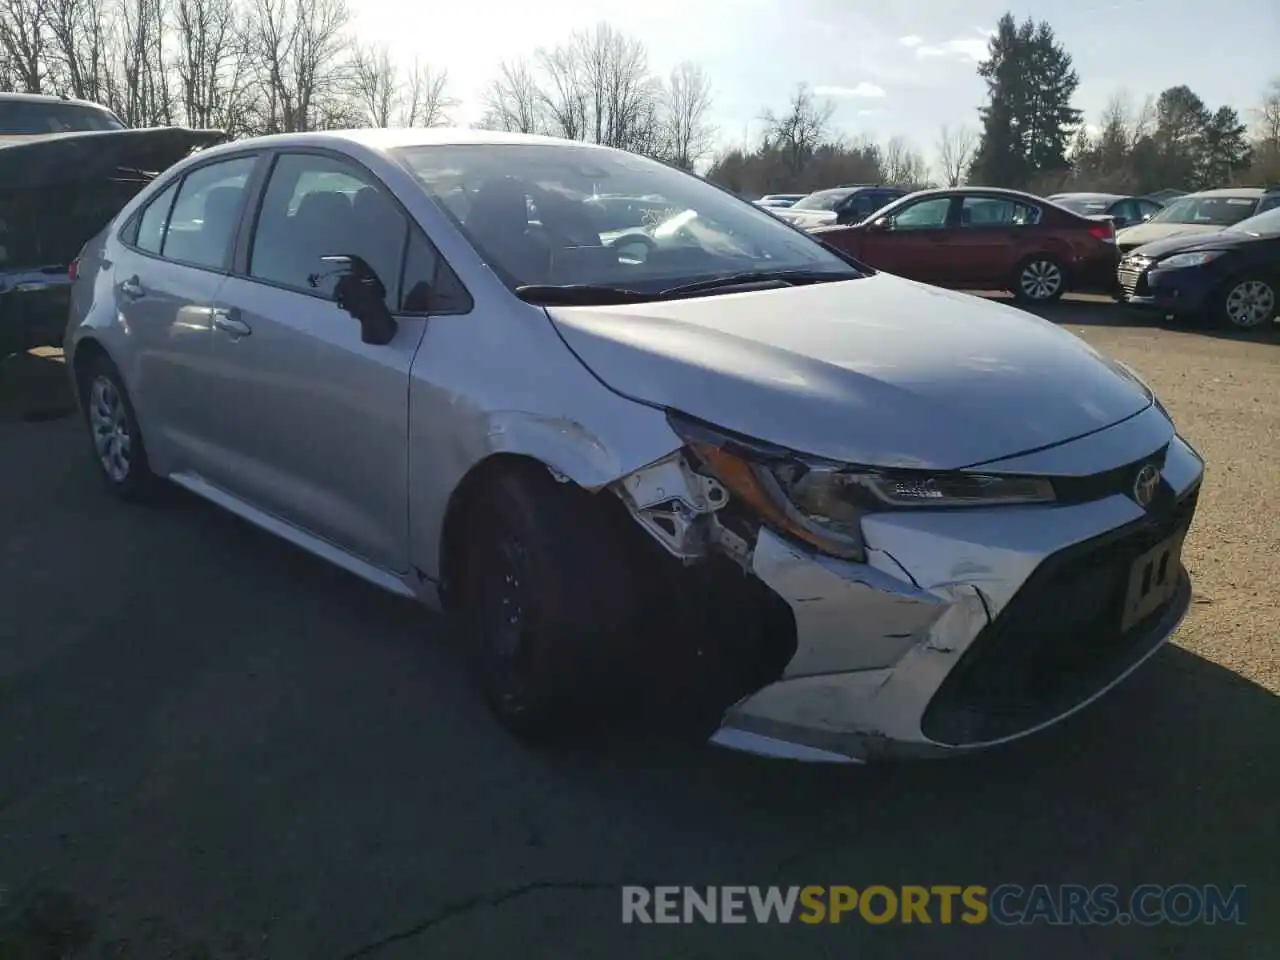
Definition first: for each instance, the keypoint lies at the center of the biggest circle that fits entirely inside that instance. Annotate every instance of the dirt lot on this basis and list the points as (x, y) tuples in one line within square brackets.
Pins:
[(213, 746)]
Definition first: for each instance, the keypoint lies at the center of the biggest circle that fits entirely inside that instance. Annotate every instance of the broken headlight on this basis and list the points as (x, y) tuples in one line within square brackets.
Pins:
[(823, 503)]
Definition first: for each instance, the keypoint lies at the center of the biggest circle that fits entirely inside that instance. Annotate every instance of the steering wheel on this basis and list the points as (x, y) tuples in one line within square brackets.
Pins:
[(632, 247)]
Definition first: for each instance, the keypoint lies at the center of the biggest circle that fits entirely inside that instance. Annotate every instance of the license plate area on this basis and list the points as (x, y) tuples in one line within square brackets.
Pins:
[(1153, 580)]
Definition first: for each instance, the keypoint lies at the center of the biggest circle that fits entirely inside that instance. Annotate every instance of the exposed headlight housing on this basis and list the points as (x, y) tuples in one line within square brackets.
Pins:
[(822, 503), (1197, 258)]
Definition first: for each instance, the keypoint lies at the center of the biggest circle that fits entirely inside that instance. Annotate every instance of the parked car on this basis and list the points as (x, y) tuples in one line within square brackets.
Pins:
[(1123, 211), (66, 167), (839, 205), (984, 239), (1232, 276), (781, 200), (914, 521), (1205, 212)]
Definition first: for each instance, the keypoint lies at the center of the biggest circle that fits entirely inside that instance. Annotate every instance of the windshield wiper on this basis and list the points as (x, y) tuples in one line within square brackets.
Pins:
[(784, 277), (578, 294)]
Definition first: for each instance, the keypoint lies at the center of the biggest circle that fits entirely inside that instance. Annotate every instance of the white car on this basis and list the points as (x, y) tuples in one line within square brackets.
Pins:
[(892, 518)]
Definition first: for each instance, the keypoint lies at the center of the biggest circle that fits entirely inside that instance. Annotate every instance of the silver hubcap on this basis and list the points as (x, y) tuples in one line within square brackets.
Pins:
[(110, 428), (1251, 303), (1041, 279)]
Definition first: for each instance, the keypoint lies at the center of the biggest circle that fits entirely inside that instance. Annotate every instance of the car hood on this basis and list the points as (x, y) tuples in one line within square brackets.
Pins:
[(1139, 234), (33, 162), (1217, 240), (878, 371)]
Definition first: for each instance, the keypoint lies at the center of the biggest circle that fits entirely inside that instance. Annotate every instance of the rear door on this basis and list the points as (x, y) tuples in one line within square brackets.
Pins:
[(992, 235), (170, 262), (312, 423)]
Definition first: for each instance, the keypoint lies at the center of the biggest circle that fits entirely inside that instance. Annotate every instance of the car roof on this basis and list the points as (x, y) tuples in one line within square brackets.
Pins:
[(385, 139), (1229, 192), (1089, 196), (977, 192), (48, 99)]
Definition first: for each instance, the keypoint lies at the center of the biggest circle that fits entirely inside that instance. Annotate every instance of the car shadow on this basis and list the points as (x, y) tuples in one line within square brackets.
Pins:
[(1097, 311)]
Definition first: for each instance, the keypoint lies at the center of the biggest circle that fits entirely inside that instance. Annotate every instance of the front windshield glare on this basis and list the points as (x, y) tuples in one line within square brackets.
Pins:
[(1210, 211), (575, 214), (822, 200), (1263, 225)]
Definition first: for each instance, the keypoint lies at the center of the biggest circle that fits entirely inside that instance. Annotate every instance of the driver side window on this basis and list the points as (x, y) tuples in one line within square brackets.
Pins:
[(928, 214)]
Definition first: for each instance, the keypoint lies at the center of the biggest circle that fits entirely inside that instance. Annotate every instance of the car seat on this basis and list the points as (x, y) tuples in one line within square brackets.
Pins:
[(498, 224)]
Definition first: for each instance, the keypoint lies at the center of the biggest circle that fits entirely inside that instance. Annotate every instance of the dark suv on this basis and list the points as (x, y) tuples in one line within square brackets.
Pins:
[(66, 168), (847, 204)]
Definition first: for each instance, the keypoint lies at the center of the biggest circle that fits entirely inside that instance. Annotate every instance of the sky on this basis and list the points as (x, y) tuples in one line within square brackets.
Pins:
[(902, 68)]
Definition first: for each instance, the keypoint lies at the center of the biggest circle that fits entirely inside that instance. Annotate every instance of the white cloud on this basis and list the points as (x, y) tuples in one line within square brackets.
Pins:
[(874, 112), (911, 41), (961, 48), (861, 90)]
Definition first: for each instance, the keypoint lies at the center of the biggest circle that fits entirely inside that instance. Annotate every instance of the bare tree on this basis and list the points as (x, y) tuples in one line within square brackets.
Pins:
[(301, 49), (23, 41), (1142, 122), (78, 38), (375, 81), (142, 96), (565, 96), (212, 64), (956, 147), (903, 163), (426, 100), (798, 132), (688, 133), (513, 101)]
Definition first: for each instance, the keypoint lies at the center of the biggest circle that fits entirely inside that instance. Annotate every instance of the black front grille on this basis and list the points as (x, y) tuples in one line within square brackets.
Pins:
[(1059, 640), (1098, 486)]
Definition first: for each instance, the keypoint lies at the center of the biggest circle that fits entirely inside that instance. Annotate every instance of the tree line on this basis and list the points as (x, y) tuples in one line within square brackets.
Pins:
[(271, 66)]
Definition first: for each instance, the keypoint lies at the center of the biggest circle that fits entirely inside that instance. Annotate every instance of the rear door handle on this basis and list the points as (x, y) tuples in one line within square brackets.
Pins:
[(131, 289), (227, 319)]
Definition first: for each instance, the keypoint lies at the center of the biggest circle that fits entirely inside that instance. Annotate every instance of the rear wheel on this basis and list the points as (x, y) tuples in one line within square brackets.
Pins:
[(118, 449), (1039, 279), (1247, 303), (550, 599)]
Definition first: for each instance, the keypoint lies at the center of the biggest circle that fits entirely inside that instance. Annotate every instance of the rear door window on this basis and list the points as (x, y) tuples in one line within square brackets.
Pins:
[(207, 213)]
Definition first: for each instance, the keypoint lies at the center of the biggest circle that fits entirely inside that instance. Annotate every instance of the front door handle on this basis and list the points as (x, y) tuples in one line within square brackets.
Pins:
[(227, 319), (131, 289)]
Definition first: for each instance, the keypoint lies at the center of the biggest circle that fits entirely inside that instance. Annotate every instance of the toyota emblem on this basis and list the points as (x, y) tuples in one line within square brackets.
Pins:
[(1145, 484)]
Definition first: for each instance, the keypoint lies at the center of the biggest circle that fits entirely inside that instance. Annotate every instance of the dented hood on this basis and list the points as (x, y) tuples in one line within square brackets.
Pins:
[(879, 371), (36, 162)]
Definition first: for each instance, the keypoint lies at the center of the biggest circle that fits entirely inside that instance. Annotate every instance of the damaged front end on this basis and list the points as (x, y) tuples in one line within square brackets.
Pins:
[(58, 191), (795, 641)]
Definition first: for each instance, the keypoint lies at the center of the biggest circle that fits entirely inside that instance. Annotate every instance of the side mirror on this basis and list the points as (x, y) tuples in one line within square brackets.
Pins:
[(1146, 217), (880, 225), (360, 292)]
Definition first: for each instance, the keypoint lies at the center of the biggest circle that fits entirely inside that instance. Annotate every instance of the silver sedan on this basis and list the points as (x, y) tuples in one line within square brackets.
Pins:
[(891, 518)]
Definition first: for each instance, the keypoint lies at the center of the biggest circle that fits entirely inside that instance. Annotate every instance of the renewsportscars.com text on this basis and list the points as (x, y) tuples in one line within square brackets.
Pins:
[(1007, 904)]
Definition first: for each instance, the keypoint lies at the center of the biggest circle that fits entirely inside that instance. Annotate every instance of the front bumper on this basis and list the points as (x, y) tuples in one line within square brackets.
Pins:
[(1183, 292), (966, 628)]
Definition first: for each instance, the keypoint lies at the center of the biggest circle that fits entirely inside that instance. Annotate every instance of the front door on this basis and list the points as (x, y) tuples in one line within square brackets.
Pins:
[(313, 422), (912, 243)]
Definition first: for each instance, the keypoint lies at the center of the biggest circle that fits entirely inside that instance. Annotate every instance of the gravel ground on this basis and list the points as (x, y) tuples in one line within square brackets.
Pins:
[(213, 746)]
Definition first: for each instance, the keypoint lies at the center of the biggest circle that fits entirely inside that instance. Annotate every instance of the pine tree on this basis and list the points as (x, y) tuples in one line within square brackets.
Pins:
[(1028, 123)]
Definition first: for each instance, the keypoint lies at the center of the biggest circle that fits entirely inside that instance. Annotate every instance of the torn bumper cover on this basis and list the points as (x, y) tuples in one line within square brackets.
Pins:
[(58, 191), (962, 629)]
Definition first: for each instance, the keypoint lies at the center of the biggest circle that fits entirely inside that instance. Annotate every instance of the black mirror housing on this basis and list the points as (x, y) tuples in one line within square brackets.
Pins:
[(360, 292)]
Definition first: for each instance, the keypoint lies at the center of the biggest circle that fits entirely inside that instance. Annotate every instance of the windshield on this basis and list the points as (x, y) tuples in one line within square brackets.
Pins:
[(1084, 206), (580, 215), (1210, 211), (1263, 225), (33, 117), (822, 200)]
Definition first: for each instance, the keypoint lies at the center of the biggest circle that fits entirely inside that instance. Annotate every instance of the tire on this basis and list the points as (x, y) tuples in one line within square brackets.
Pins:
[(550, 598), (1247, 303), (1040, 279), (114, 435)]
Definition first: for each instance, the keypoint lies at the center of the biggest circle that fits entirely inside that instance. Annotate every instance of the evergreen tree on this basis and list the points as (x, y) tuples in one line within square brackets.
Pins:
[(1028, 123)]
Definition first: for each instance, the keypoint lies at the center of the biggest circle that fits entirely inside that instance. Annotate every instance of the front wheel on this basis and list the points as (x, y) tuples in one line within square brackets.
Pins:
[(549, 598), (1040, 279), (1247, 303)]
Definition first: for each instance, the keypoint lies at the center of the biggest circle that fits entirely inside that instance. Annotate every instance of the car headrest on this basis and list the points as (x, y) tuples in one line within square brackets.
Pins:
[(499, 207), (221, 208), (321, 209)]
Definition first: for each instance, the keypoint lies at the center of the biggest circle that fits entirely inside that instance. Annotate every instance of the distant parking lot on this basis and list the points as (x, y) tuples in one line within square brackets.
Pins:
[(214, 746)]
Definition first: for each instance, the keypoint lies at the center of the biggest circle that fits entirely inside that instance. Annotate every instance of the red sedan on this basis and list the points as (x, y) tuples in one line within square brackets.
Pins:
[(984, 239)]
